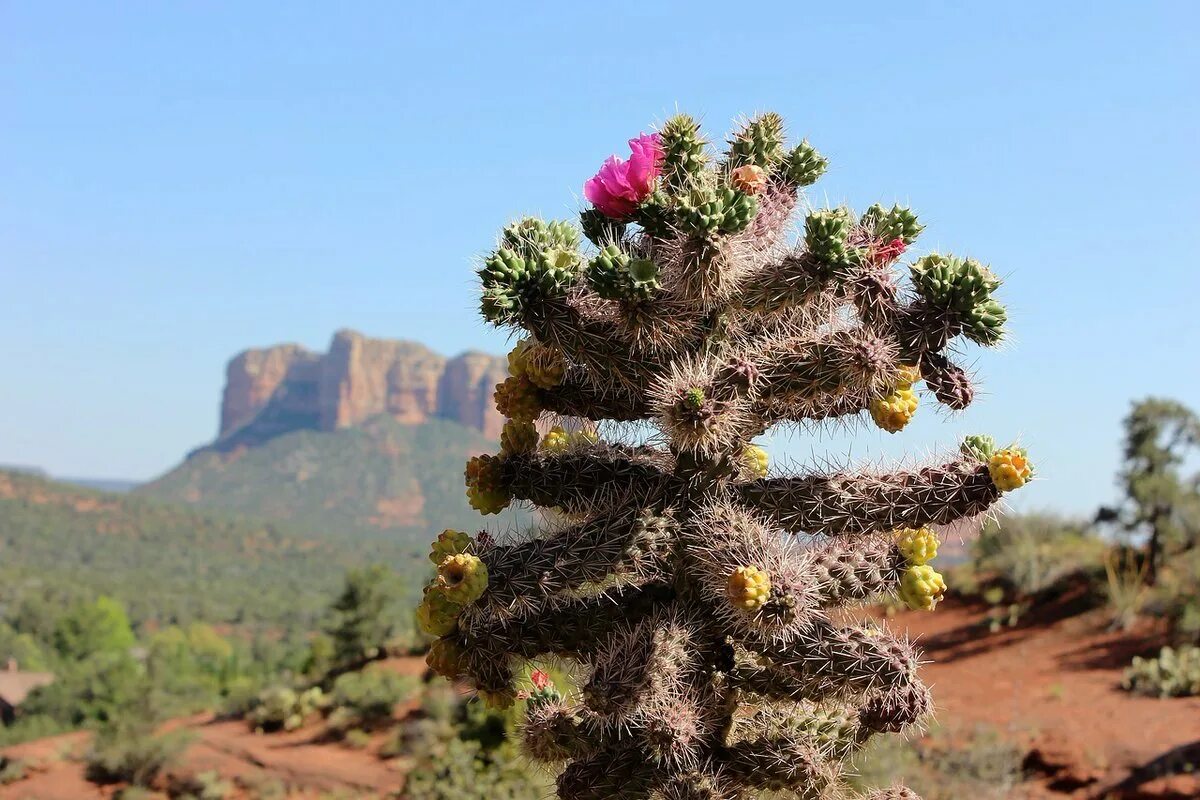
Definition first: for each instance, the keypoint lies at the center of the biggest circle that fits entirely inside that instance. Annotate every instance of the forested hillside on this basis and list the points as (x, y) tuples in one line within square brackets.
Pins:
[(402, 479), (172, 564)]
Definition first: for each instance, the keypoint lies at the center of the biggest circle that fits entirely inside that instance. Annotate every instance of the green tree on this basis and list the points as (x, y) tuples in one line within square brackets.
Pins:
[(1161, 502), (100, 626), (364, 615)]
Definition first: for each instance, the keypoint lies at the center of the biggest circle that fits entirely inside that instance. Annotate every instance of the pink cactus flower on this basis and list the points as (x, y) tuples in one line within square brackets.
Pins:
[(540, 679), (888, 252), (620, 185)]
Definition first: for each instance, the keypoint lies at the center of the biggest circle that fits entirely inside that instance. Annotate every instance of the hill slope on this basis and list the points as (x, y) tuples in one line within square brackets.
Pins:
[(169, 563), (381, 476)]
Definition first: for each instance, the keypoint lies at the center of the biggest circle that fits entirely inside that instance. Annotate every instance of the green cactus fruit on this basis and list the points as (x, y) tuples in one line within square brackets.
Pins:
[(759, 142), (606, 272), (436, 615), (804, 165), (599, 229), (532, 235), (826, 235), (656, 215), (449, 543), (503, 268), (979, 446), (897, 222), (713, 211), (683, 151), (984, 323)]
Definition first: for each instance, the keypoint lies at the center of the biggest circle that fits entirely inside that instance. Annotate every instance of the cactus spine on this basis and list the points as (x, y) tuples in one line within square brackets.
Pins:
[(710, 665)]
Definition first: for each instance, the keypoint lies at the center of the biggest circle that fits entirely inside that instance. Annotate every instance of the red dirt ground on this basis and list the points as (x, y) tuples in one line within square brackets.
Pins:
[(1050, 685)]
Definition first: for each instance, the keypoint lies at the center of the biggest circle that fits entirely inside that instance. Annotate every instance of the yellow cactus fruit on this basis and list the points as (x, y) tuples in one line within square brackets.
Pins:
[(893, 411), (755, 460), (542, 365), (921, 587), (748, 588), (436, 615), (498, 701), (907, 376), (448, 543), (918, 545), (749, 178), (484, 490), (1010, 469), (518, 437), (556, 440), (516, 358), (462, 578), (516, 398), (445, 658)]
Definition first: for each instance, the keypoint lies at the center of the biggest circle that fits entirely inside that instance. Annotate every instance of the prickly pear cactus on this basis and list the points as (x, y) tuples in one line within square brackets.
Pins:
[(691, 585)]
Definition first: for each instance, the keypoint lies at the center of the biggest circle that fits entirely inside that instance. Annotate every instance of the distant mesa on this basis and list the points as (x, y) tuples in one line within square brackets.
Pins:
[(277, 390)]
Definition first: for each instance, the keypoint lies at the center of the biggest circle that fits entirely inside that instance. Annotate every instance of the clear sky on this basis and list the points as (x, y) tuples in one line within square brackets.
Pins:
[(179, 181)]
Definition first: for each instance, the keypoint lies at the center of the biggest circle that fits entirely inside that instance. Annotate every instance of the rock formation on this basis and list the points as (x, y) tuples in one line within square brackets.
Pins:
[(275, 390)]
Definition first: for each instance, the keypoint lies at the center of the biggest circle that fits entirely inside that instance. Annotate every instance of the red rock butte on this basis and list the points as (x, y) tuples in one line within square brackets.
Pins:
[(272, 390)]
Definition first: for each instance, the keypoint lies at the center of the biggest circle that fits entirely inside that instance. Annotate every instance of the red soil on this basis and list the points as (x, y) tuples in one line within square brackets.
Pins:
[(1051, 684)]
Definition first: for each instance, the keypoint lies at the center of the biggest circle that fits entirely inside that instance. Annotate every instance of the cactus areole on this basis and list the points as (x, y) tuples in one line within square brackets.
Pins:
[(693, 587)]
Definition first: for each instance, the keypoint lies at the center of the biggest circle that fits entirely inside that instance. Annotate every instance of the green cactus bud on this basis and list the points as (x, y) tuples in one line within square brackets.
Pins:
[(759, 142), (713, 211), (599, 229), (694, 398), (683, 149), (531, 235), (979, 446), (606, 272), (804, 165), (897, 222), (826, 235), (656, 215), (985, 322)]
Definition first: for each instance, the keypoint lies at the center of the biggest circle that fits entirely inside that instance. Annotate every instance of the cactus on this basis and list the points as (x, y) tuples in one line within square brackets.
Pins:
[(711, 662)]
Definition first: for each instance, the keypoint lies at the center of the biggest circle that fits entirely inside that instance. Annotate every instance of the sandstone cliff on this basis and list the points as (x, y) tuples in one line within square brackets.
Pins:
[(274, 390)]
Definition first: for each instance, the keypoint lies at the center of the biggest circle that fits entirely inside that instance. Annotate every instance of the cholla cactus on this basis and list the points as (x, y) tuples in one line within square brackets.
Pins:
[(711, 667)]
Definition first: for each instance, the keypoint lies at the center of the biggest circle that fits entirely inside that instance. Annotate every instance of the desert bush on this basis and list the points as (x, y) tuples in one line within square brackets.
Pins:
[(1176, 596), (1174, 672), (356, 739), (11, 770), (132, 753), (280, 707), (1032, 553), (459, 769), (977, 764), (1126, 586), (206, 785), (367, 698)]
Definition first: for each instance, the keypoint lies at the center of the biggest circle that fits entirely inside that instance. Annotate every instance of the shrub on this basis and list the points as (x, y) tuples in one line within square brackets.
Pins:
[(367, 698), (1173, 673), (280, 707), (132, 753), (1032, 553), (356, 739), (463, 770), (206, 785), (11, 770)]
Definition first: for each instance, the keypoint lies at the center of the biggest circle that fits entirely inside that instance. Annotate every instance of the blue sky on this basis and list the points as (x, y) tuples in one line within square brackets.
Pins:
[(179, 181)]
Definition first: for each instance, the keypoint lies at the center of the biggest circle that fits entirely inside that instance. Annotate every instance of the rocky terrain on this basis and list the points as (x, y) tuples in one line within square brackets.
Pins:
[(276, 390)]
